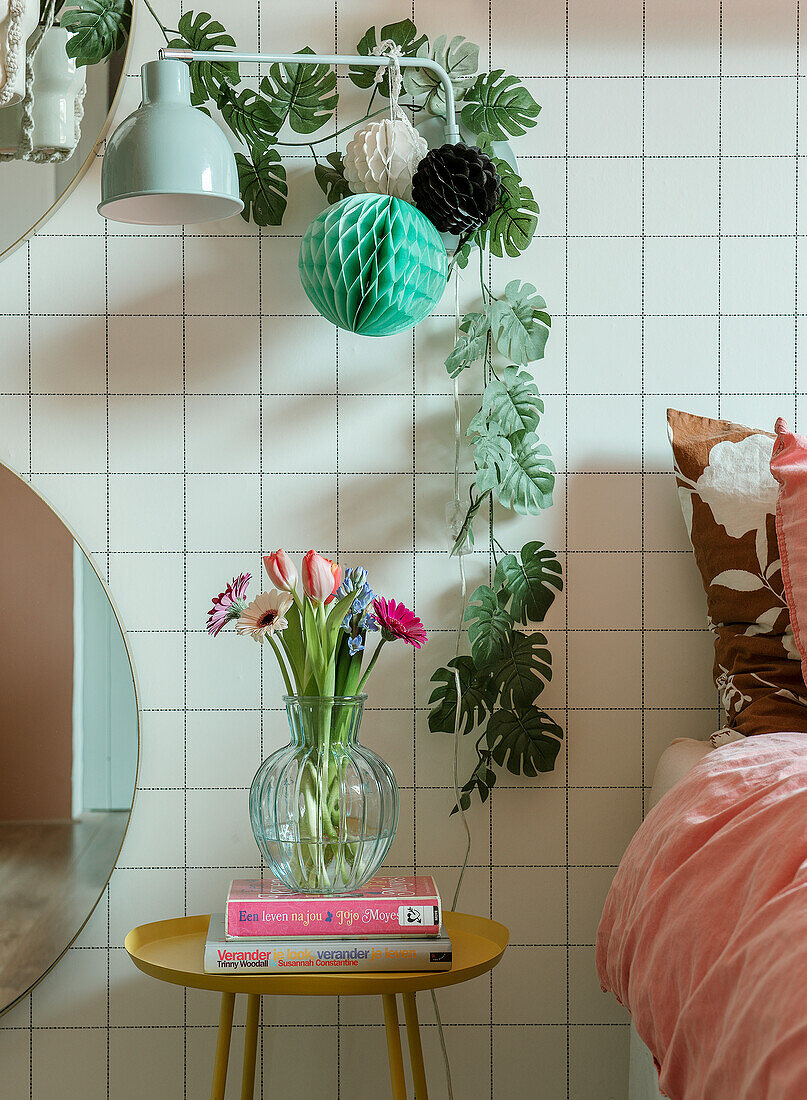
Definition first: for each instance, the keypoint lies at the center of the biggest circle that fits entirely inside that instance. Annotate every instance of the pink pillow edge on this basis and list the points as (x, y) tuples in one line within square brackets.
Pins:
[(785, 441)]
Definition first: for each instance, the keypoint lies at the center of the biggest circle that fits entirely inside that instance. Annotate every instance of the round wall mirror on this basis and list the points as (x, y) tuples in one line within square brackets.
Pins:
[(69, 739), (57, 99)]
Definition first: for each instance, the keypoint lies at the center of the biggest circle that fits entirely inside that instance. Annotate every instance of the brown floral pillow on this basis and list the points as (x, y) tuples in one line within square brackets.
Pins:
[(728, 497)]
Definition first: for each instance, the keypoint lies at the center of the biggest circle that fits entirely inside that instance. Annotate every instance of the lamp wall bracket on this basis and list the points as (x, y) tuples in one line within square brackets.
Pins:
[(451, 128)]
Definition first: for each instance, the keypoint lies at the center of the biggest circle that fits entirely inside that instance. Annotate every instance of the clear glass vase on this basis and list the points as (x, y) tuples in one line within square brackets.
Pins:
[(324, 809)]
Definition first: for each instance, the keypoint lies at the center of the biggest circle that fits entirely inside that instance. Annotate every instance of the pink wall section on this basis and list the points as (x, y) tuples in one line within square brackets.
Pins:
[(36, 657)]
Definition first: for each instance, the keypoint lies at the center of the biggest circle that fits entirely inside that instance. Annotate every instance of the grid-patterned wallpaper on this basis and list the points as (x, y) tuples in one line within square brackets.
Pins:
[(175, 397)]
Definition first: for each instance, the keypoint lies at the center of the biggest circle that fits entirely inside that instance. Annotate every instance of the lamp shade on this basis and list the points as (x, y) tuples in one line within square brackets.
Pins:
[(373, 264), (167, 163)]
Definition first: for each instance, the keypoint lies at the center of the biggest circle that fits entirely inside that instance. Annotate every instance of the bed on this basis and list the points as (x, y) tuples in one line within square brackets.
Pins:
[(704, 932), (703, 937)]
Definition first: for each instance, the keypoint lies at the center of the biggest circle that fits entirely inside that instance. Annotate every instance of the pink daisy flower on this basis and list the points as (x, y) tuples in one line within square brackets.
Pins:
[(397, 621), (228, 604)]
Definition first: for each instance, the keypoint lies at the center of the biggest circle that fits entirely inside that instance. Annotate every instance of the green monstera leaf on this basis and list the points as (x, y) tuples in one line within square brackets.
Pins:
[(404, 34), (477, 697), (200, 32), (471, 343), (459, 58), (527, 741), (517, 468), (528, 479), (262, 180), (511, 402), (511, 227), (489, 627), (530, 581), (304, 94), (492, 455), (499, 106), (483, 777), (331, 178), (524, 669), (97, 29), (519, 323), (249, 115)]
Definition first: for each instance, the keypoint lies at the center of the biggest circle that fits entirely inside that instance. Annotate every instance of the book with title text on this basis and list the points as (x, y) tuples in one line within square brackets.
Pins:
[(315, 955), (394, 906)]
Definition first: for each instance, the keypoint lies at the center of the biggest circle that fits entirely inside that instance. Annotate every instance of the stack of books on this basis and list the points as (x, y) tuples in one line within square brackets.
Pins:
[(391, 923)]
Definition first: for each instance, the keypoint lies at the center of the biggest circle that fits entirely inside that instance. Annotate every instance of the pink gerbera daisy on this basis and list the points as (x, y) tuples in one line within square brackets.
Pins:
[(397, 621), (228, 604)]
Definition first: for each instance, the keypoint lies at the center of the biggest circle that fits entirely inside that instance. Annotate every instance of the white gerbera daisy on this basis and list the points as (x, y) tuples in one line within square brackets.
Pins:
[(265, 615)]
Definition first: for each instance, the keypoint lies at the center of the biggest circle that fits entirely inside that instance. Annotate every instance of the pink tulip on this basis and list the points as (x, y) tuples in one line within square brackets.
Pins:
[(281, 570), (336, 570), (321, 577)]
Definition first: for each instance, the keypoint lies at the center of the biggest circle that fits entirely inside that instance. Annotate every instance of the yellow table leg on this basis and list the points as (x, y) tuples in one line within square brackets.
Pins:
[(250, 1046), (396, 1070), (223, 1046), (415, 1049)]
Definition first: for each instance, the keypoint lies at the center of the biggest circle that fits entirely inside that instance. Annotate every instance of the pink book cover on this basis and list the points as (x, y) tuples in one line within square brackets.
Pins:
[(388, 905)]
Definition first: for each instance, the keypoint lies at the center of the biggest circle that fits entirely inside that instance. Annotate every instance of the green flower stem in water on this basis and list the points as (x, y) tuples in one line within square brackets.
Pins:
[(282, 664), (320, 788)]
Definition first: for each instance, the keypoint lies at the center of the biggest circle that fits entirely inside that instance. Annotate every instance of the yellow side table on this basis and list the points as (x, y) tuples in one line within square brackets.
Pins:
[(172, 950)]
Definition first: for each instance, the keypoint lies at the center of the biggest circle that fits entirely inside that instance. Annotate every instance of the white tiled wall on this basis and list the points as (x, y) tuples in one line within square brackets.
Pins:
[(176, 398)]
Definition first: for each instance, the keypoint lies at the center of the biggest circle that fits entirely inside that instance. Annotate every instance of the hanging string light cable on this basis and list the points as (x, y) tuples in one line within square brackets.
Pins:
[(454, 510)]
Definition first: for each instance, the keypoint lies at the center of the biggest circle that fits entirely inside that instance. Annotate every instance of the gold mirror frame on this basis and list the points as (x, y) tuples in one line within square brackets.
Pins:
[(68, 527), (83, 167)]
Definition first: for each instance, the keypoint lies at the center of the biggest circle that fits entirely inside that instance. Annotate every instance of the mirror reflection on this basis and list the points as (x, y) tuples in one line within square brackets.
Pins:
[(68, 739), (55, 99)]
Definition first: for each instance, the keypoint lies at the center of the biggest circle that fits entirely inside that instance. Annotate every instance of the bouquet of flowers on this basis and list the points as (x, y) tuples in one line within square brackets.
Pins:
[(318, 634), (324, 809)]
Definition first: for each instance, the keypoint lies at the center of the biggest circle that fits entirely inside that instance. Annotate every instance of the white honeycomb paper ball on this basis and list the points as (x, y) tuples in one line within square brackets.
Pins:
[(382, 158)]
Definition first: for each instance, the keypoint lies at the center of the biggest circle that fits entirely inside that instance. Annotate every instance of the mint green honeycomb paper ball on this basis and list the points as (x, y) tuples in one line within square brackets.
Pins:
[(373, 264)]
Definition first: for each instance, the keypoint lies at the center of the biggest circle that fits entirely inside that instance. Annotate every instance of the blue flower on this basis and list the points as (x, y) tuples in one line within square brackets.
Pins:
[(363, 600), (355, 645), (355, 580), (370, 622)]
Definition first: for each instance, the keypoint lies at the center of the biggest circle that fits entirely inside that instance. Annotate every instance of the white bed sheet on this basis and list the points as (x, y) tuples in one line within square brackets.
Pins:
[(642, 1075)]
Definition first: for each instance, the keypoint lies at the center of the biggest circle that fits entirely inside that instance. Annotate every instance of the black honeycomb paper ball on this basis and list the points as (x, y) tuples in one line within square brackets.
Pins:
[(457, 187)]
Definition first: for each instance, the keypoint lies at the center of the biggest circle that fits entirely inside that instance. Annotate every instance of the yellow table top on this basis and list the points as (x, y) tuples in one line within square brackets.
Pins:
[(172, 950)]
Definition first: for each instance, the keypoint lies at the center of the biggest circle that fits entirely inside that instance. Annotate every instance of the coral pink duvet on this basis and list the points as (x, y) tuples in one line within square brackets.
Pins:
[(704, 932)]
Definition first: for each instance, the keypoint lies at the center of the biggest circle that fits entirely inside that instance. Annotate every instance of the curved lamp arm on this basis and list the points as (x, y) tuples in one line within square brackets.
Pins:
[(452, 130)]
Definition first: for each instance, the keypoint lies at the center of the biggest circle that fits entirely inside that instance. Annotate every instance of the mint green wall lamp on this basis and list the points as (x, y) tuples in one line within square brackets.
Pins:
[(171, 164), (167, 163)]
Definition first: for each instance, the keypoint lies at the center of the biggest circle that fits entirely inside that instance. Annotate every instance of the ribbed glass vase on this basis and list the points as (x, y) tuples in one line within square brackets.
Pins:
[(324, 809)]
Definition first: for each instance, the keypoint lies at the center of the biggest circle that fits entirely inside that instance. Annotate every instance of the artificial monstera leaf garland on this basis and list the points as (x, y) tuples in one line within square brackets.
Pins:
[(507, 671), (500, 683)]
